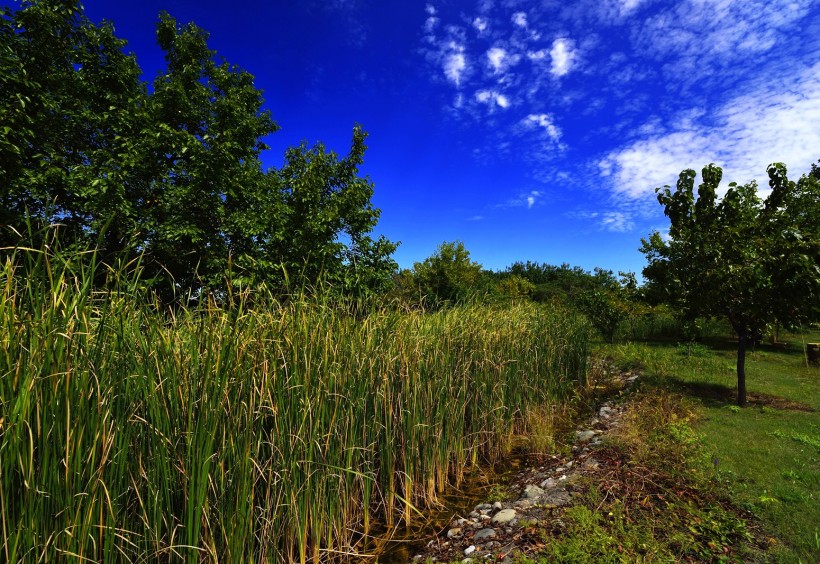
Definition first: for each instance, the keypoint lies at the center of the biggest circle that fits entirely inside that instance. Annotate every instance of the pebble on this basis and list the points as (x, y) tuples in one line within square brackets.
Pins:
[(504, 516), (485, 534), (490, 523), (531, 492), (584, 436)]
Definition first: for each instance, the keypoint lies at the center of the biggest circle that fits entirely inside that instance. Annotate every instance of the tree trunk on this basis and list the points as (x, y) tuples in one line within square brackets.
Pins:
[(741, 368)]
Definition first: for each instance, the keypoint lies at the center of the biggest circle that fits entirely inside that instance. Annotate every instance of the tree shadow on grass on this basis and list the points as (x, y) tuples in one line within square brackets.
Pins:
[(719, 395), (729, 344)]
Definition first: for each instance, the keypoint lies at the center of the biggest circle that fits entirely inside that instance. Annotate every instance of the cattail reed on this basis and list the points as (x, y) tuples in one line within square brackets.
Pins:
[(280, 432)]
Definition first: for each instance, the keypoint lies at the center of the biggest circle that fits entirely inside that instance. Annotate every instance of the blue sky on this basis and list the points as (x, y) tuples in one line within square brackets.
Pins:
[(530, 130)]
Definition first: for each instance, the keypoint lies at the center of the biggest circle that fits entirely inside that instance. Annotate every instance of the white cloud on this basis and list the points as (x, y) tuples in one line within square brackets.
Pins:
[(629, 6), (480, 24), (532, 198), (520, 19), (563, 56), (430, 9), (544, 121), (455, 64), (771, 123), (492, 97), (496, 57), (539, 55)]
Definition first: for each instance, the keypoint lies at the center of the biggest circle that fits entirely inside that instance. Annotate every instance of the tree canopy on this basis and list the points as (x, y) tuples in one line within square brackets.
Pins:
[(172, 173), (755, 262)]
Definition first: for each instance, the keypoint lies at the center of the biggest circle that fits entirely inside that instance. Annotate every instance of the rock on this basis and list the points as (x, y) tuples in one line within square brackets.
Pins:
[(454, 532), (497, 505), (606, 412), (549, 483), (469, 550), (504, 516), (485, 534), (483, 506), (584, 436), (531, 492), (556, 498)]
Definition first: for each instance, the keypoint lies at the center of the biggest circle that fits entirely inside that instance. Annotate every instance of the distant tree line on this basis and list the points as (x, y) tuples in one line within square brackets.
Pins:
[(450, 277), (170, 173)]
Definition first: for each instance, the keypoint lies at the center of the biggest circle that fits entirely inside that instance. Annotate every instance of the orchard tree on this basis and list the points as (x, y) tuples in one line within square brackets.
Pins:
[(755, 263)]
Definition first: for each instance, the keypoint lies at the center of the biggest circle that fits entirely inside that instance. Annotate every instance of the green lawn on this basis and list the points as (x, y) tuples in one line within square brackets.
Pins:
[(768, 454)]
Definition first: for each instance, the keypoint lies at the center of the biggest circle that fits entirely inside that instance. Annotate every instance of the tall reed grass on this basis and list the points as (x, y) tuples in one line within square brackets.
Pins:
[(276, 433)]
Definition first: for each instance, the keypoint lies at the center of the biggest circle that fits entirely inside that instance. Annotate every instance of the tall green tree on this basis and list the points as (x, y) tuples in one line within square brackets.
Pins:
[(205, 199), (174, 174), (68, 97), (754, 262), (326, 220)]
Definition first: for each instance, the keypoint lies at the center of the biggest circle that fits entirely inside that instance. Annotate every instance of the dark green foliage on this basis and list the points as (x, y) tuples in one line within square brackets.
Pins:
[(447, 277), (754, 263), (68, 99), (174, 174)]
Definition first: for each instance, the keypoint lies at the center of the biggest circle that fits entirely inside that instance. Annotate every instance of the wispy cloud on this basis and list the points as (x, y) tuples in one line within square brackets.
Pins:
[(618, 222), (640, 89), (743, 135), (524, 199), (545, 122)]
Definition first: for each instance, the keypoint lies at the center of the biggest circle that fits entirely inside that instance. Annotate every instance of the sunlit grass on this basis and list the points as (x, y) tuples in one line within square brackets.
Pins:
[(278, 432), (766, 454)]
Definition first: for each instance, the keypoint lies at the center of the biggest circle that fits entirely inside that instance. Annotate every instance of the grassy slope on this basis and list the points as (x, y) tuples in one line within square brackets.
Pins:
[(769, 453)]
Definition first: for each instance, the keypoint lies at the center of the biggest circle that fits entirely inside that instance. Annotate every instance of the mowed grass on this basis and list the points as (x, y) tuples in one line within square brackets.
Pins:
[(768, 454), (249, 430)]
